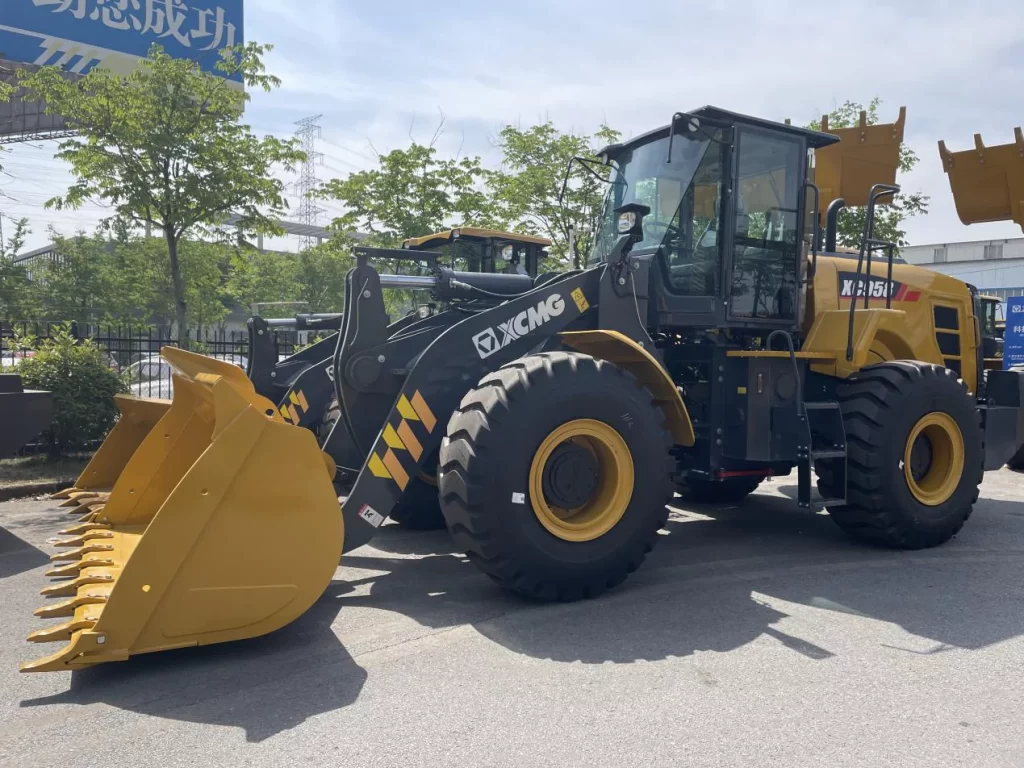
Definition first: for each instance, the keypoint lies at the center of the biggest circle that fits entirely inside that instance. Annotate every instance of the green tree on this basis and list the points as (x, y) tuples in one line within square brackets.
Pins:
[(525, 192), (889, 218), (410, 193), (76, 283), (126, 279), (18, 295), (165, 146), (261, 276), (321, 275), (83, 388)]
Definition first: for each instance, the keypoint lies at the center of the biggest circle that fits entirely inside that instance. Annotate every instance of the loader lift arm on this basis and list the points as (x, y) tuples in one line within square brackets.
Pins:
[(458, 358)]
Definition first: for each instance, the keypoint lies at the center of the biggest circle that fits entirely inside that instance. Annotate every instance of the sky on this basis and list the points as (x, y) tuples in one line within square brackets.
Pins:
[(380, 73)]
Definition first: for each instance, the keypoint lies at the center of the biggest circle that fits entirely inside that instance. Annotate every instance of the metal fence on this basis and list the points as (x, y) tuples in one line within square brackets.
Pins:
[(135, 352)]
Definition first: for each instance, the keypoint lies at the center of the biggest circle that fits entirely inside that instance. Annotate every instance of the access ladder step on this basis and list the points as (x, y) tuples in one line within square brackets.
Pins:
[(830, 502), (824, 405), (837, 453)]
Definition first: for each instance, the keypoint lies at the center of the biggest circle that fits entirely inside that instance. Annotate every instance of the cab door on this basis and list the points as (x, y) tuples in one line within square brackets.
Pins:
[(763, 262)]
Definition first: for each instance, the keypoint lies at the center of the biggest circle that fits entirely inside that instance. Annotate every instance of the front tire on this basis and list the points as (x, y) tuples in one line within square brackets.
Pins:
[(914, 455), (555, 475)]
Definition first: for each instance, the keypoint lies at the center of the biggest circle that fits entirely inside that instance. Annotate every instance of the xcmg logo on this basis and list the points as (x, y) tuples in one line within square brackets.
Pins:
[(491, 340), (877, 288)]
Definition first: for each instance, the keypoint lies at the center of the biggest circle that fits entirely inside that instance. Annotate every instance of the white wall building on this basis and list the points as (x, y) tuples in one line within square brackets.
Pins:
[(995, 267)]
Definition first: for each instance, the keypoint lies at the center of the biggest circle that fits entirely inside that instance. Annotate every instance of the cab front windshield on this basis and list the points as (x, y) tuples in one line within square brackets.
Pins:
[(643, 176)]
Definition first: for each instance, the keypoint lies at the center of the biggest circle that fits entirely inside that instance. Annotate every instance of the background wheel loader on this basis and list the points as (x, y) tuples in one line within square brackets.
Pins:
[(707, 344), (302, 385)]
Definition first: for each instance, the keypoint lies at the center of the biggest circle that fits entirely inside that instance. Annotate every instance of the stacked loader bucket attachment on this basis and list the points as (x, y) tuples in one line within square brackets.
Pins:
[(865, 156), (987, 182), (223, 525), (138, 416)]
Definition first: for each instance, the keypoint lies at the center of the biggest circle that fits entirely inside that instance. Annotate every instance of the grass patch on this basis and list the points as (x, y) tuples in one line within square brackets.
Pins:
[(39, 469)]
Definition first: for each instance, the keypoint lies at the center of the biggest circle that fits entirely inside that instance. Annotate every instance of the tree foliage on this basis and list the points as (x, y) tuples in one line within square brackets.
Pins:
[(525, 191), (258, 277), (889, 218), (19, 298), (166, 146), (412, 192), (83, 388), (321, 275)]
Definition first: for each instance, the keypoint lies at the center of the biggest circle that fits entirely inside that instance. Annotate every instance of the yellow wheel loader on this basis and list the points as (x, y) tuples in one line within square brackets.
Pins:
[(708, 343)]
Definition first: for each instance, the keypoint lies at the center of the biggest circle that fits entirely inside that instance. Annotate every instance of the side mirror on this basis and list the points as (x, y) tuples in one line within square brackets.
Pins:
[(631, 219), (630, 226)]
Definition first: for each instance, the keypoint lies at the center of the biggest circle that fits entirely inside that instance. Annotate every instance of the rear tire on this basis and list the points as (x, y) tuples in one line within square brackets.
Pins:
[(884, 407), (510, 425), (732, 489)]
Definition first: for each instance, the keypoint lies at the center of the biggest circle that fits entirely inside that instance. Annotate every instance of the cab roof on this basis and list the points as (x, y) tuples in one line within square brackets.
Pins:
[(815, 139), (472, 233)]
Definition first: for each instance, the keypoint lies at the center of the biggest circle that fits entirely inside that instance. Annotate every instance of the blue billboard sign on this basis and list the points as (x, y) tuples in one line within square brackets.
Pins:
[(1013, 337), (79, 35)]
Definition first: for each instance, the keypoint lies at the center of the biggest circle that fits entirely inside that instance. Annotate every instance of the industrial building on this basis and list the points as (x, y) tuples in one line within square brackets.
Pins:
[(995, 267)]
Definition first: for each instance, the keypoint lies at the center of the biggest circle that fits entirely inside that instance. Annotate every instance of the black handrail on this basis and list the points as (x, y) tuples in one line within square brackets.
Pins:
[(866, 244)]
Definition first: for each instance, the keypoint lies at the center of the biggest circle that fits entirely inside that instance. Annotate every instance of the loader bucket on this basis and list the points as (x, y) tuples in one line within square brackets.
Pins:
[(865, 156), (138, 415), (223, 525), (987, 182)]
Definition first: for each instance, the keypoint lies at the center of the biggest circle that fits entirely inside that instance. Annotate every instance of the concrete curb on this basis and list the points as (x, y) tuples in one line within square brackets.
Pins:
[(34, 489)]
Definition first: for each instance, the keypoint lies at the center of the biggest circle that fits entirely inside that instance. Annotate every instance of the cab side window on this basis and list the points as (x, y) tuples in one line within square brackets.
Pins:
[(765, 247)]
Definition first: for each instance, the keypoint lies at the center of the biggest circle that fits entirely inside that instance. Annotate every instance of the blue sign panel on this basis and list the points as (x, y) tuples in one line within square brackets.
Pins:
[(1013, 338), (79, 35)]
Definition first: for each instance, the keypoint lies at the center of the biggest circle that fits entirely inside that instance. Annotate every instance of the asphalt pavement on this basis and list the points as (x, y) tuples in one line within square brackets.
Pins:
[(755, 635)]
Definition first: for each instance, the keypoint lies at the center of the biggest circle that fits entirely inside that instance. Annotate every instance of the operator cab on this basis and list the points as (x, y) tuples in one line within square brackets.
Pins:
[(472, 249), (726, 194)]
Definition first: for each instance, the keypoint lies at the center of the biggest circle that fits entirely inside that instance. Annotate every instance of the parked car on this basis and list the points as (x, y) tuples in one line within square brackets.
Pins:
[(10, 358), (150, 376)]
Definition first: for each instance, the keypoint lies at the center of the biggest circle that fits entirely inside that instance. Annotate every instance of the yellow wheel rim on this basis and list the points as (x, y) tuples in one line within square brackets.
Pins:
[(614, 489), (939, 477)]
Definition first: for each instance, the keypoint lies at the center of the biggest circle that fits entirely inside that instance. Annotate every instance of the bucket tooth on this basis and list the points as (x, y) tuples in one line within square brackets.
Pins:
[(81, 540), (61, 631), (73, 569), (63, 494), (78, 530), (72, 498), (77, 554), (70, 588), (67, 608)]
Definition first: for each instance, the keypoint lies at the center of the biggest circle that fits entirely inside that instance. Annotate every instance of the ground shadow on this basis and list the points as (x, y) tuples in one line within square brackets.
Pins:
[(715, 582), (699, 589), (264, 686), (17, 555)]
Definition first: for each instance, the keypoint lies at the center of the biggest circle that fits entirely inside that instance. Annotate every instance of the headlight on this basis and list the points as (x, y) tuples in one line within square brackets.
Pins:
[(627, 221), (507, 252)]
